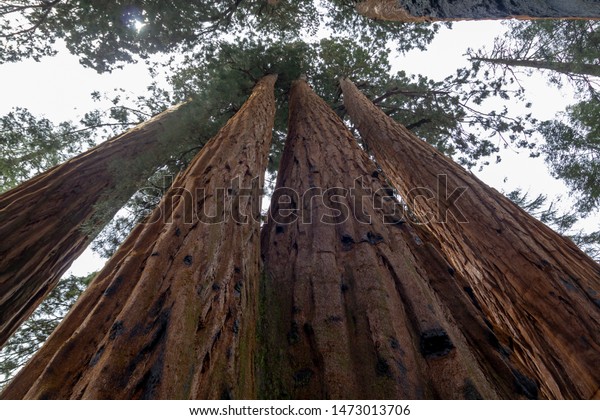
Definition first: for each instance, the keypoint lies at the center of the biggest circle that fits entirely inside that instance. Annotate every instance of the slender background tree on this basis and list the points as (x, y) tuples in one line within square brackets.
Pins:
[(567, 53)]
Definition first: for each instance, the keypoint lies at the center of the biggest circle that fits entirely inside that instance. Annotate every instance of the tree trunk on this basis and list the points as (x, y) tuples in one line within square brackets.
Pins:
[(172, 315), (566, 68), (350, 307), (538, 290), (436, 10), (47, 222)]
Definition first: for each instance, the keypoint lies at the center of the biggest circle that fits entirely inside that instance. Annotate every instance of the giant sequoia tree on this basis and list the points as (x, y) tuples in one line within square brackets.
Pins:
[(67, 205), (357, 304), (346, 307), (425, 10), (30, 145), (172, 314), (539, 291)]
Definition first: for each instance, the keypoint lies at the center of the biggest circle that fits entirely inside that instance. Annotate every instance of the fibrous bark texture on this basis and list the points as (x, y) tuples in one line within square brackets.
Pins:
[(539, 292), (432, 10), (352, 304), (172, 315), (41, 220)]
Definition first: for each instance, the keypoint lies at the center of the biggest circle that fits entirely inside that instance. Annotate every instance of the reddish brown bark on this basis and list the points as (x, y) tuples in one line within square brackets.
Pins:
[(41, 220), (351, 308), (444, 10), (172, 315), (537, 289)]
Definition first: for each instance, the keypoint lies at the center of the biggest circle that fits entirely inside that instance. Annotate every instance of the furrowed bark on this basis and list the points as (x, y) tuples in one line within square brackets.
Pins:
[(539, 292), (442, 10), (350, 307), (172, 315), (42, 220)]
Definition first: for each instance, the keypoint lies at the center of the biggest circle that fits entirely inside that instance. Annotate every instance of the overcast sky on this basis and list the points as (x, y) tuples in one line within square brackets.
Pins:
[(446, 54), (59, 88)]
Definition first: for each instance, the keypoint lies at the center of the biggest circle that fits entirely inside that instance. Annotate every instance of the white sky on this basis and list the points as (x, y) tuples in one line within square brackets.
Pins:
[(445, 54), (59, 88)]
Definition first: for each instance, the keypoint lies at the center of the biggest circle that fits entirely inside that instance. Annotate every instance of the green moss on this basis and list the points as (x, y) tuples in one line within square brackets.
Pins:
[(270, 358)]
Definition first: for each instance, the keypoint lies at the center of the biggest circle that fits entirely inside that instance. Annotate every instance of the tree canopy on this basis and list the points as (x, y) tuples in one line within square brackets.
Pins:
[(109, 34), (565, 52), (106, 35), (32, 334), (30, 145)]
